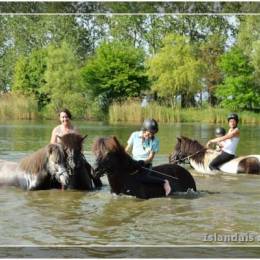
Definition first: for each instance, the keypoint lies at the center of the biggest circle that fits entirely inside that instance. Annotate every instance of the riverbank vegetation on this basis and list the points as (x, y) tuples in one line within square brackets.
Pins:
[(105, 65), (134, 113)]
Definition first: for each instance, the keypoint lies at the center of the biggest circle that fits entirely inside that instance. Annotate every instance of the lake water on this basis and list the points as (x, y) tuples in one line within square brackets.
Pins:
[(225, 211)]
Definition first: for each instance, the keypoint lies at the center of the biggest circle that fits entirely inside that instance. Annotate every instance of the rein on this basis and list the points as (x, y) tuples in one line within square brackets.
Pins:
[(189, 156), (161, 173), (151, 170)]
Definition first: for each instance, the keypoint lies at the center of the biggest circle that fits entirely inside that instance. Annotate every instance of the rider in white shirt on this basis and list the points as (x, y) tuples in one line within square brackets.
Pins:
[(230, 142)]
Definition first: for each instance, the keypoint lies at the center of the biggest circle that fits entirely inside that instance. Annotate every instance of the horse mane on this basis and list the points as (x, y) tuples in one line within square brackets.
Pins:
[(191, 147), (72, 140), (104, 145), (35, 162)]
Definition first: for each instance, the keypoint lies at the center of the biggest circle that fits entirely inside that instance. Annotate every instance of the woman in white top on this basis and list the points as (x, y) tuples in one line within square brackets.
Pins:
[(64, 128), (229, 141)]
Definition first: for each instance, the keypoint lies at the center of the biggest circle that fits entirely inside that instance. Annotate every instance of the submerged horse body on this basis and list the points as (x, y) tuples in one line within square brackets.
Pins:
[(44, 169), (200, 158), (125, 174), (81, 177)]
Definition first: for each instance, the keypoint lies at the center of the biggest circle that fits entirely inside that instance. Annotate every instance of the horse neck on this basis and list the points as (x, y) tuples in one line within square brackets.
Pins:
[(123, 168), (202, 164), (35, 162)]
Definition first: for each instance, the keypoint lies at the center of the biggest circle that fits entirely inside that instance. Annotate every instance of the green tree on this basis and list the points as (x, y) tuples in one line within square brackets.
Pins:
[(62, 78), (210, 52), (249, 32), (115, 72), (238, 90), (175, 70), (29, 76)]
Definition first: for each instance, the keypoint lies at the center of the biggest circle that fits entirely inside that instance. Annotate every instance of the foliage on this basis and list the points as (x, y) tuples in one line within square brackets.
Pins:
[(238, 90), (22, 107), (115, 72), (175, 70), (210, 51), (62, 78), (29, 76), (131, 111)]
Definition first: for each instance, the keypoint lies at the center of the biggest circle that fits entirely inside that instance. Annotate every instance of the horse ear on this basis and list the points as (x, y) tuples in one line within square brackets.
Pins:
[(178, 139), (50, 148), (84, 137), (115, 139)]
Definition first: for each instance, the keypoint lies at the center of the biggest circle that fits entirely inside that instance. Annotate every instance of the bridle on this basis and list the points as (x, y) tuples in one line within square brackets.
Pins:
[(189, 156)]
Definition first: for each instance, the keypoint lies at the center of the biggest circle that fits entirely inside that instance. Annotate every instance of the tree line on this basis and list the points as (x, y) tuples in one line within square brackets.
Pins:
[(88, 62)]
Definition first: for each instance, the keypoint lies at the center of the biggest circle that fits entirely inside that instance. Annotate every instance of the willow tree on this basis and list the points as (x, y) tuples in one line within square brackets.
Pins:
[(175, 70)]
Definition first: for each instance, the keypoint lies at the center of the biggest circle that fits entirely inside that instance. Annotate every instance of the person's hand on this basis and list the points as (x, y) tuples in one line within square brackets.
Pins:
[(208, 143), (141, 163), (167, 187)]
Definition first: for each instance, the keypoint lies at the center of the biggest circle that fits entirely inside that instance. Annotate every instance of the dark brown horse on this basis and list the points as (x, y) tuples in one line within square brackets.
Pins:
[(125, 174), (44, 169), (81, 177), (200, 158)]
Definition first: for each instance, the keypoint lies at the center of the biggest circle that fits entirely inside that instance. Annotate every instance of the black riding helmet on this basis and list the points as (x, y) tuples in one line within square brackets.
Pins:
[(150, 125), (220, 131), (233, 116)]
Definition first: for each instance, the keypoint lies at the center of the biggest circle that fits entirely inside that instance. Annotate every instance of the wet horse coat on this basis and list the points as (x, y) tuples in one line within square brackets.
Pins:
[(124, 173), (81, 177), (44, 169), (200, 158)]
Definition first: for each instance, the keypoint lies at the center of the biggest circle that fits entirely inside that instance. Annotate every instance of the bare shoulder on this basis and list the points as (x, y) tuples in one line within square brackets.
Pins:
[(56, 129)]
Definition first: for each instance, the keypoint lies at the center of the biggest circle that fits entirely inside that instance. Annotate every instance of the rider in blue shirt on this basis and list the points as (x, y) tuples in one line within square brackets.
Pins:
[(144, 145)]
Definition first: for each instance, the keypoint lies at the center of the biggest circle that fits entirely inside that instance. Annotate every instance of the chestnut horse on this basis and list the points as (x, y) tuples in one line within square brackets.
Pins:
[(200, 157), (44, 169), (124, 173)]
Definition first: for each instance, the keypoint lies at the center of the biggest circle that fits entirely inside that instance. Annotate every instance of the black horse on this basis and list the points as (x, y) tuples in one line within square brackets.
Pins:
[(81, 177), (124, 173)]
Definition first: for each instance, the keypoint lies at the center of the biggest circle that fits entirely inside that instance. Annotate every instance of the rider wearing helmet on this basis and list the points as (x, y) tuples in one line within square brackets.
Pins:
[(144, 145), (220, 131), (229, 143)]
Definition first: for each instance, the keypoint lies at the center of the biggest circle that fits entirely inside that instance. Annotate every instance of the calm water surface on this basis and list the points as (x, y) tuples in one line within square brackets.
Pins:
[(224, 205)]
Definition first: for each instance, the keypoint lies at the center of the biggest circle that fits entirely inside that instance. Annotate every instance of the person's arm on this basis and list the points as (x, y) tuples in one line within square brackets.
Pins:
[(129, 143), (155, 149), (150, 157), (53, 136), (225, 137), (128, 148)]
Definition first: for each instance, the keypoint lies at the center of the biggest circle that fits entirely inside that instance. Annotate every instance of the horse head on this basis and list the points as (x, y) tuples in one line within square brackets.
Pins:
[(179, 152), (186, 148), (57, 165), (73, 144), (108, 152), (50, 160)]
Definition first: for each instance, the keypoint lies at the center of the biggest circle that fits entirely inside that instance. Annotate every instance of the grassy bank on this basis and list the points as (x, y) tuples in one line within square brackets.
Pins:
[(14, 106), (133, 113)]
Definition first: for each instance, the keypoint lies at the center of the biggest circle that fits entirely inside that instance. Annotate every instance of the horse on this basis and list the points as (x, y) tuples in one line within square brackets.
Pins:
[(44, 169), (124, 173), (80, 177), (200, 157)]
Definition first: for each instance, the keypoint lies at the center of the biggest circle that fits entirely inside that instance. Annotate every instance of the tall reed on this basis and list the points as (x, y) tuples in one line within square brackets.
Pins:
[(17, 106), (132, 112)]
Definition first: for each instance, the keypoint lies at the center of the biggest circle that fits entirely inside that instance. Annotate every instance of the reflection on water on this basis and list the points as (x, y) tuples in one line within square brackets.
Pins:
[(223, 205)]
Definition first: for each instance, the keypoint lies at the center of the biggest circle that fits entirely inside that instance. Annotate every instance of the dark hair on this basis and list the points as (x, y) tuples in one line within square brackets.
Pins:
[(65, 110)]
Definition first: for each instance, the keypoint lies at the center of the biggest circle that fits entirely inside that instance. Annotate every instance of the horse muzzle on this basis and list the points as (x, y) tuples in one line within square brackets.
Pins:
[(63, 177)]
